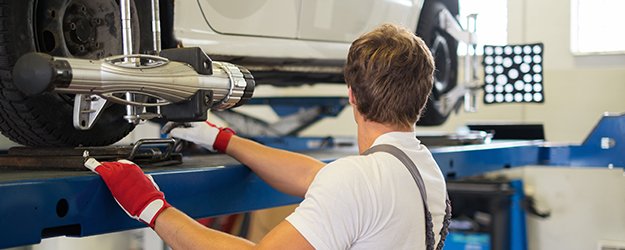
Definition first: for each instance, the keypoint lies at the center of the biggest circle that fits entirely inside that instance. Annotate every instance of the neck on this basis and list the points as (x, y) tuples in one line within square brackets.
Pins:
[(369, 131)]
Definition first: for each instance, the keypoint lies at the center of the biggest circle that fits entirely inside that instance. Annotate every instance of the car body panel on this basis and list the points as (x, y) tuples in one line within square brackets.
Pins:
[(267, 18), (258, 34), (345, 20)]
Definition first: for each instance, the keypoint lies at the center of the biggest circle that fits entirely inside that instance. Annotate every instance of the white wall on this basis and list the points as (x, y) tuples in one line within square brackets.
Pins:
[(578, 89)]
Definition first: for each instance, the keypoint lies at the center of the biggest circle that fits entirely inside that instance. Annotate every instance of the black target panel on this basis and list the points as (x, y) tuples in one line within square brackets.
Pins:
[(513, 73)]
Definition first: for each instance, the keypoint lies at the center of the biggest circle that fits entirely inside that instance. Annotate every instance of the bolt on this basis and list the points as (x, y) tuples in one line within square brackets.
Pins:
[(83, 9), (81, 48), (72, 26)]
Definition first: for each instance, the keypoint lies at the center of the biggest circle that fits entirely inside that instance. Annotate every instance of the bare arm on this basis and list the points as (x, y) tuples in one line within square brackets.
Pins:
[(181, 232), (286, 171)]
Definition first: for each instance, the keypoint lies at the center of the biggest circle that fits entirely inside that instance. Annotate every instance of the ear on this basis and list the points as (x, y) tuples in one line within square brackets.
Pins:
[(352, 99)]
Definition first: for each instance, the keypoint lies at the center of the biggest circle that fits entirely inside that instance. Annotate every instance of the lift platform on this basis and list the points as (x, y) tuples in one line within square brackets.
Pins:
[(37, 204)]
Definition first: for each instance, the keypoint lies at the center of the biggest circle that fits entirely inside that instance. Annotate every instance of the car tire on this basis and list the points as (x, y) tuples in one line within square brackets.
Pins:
[(46, 26), (444, 50)]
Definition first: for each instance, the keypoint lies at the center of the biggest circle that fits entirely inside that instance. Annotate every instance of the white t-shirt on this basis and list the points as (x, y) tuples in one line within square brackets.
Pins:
[(372, 202)]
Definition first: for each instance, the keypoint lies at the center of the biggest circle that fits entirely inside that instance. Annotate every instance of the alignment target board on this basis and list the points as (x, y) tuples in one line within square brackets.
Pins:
[(513, 73)]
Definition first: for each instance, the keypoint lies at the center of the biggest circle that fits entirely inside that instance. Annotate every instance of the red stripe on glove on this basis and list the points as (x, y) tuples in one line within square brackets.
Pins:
[(223, 138)]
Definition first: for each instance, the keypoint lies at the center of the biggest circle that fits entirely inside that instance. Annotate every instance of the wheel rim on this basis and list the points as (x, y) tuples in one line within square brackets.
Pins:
[(442, 61), (79, 28)]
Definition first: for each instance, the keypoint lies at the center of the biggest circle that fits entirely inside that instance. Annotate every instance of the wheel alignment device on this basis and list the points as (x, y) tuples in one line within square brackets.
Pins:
[(180, 84), (180, 91)]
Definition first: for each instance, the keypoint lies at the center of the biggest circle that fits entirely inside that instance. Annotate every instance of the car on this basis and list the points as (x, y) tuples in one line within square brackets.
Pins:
[(282, 42)]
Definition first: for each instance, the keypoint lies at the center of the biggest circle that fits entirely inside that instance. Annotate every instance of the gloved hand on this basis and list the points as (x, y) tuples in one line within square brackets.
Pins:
[(134, 191), (205, 134)]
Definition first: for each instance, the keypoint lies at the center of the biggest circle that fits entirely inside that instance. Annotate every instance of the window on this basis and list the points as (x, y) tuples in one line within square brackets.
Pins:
[(492, 22), (597, 26)]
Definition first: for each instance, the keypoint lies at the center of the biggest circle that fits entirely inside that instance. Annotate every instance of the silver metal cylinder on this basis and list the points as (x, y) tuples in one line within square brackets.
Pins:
[(236, 84), (171, 81), (156, 26), (124, 6), (470, 67)]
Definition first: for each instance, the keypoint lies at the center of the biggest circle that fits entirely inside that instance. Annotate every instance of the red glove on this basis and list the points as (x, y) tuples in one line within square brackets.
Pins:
[(205, 134), (134, 191)]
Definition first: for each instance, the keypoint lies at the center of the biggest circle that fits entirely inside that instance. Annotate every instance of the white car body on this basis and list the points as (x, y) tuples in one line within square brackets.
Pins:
[(317, 29)]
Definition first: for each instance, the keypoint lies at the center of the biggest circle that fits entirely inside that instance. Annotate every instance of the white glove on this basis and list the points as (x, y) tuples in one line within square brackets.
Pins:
[(205, 134)]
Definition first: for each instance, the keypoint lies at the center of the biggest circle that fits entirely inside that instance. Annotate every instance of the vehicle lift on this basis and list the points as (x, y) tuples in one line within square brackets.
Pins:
[(46, 202)]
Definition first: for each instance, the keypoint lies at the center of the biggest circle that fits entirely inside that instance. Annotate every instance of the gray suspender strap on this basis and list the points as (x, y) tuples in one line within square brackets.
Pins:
[(416, 175)]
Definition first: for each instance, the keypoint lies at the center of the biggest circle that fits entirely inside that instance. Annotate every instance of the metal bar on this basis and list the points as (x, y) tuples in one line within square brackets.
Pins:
[(131, 112), (156, 26), (470, 67), (449, 24), (518, 232), (472, 19), (124, 5), (170, 142)]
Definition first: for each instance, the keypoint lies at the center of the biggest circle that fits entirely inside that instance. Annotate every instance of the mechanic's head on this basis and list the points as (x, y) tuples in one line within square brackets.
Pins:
[(390, 73)]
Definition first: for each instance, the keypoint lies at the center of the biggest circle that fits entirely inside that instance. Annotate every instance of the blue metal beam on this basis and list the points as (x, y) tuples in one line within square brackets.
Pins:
[(82, 205), (463, 161)]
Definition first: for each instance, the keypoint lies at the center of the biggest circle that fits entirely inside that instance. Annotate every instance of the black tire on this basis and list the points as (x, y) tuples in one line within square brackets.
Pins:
[(31, 25), (444, 49)]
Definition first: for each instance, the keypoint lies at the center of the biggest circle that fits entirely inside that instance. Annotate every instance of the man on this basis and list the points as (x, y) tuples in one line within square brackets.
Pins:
[(358, 202)]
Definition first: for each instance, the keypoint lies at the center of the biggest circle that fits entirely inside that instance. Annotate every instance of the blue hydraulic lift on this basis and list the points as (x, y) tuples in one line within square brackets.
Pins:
[(37, 204)]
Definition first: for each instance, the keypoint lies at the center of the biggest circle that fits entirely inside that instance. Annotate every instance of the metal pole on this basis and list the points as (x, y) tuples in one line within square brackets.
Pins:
[(473, 28), (126, 27), (156, 26), (124, 6), (470, 66)]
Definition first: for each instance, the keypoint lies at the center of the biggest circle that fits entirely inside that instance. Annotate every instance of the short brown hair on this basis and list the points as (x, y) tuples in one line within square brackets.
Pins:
[(390, 72)]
